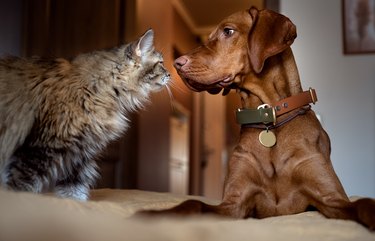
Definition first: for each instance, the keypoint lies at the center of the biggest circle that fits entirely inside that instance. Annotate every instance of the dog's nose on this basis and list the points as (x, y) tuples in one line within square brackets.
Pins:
[(181, 61)]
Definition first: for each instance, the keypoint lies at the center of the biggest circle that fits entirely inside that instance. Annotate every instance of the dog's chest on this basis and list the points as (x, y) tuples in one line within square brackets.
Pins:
[(278, 191), (280, 200)]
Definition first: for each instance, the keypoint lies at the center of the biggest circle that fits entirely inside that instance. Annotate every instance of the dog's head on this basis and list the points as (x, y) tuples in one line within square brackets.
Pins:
[(239, 45)]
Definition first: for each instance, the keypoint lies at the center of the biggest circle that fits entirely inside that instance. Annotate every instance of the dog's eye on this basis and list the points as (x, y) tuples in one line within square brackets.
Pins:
[(228, 32)]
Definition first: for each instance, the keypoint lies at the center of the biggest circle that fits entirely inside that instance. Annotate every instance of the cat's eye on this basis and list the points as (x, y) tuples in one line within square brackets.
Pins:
[(228, 32)]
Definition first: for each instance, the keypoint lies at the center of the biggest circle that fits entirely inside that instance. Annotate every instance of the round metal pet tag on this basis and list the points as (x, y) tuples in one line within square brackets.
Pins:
[(267, 138)]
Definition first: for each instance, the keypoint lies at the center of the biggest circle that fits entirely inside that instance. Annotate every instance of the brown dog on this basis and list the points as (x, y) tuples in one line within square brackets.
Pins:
[(249, 51)]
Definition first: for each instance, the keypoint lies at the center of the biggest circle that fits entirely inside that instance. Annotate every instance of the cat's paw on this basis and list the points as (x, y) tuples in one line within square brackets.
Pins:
[(78, 192)]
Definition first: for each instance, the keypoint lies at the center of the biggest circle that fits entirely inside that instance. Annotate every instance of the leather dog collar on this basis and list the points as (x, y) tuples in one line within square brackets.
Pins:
[(267, 114)]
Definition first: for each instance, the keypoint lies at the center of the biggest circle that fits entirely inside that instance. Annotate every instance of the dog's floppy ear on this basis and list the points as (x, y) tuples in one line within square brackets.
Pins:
[(270, 34)]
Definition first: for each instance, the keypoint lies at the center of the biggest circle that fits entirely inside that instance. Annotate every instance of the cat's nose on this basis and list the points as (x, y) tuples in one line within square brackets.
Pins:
[(180, 62)]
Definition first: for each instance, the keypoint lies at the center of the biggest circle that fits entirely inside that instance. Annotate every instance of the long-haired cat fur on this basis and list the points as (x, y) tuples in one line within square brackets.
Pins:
[(56, 115)]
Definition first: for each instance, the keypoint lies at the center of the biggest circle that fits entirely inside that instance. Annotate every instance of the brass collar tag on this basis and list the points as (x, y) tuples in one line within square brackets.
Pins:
[(267, 138)]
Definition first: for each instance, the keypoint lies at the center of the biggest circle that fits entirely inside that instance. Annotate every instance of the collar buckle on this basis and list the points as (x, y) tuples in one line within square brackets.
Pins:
[(313, 95), (268, 107)]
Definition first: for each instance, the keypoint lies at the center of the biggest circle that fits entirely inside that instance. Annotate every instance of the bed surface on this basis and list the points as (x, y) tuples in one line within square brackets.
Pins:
[(109, 216)]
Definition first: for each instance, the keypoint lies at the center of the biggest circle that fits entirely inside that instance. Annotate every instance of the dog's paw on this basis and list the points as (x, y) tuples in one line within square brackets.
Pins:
[(366, 212)]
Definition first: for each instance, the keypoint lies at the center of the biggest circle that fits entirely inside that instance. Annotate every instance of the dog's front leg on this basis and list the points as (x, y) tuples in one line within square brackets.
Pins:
[(326, 193), (242, 185)]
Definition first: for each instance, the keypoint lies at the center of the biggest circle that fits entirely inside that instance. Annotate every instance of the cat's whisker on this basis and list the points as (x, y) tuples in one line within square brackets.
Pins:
[(171, 97), (178, 88)]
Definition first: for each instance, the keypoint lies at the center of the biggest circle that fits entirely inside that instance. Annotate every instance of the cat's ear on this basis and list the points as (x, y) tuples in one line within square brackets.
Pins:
[(145, 43)]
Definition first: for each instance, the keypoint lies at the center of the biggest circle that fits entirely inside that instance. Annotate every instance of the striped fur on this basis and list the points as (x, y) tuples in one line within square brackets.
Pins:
[(56, 115)]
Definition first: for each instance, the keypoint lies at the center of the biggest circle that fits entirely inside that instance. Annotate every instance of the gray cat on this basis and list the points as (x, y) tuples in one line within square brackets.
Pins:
[(56, 115)]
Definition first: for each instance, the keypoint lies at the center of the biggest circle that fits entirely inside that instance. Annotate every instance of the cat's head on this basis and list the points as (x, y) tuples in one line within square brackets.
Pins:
[(145, 65)]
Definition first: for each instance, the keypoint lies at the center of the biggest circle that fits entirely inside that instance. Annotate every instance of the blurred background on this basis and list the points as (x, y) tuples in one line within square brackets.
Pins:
[(182, 145)]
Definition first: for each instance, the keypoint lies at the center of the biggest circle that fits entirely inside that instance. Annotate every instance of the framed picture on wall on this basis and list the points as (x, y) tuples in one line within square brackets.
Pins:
[(359, 26)]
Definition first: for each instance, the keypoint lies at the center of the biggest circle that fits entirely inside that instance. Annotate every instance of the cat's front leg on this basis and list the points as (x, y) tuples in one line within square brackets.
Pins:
[(77, 183), (29, 170)]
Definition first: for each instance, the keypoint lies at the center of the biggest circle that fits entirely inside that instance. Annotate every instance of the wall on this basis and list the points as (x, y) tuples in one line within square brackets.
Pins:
[(153, 122), (153, 144), (184, 41), (10, 27), (345, 86)]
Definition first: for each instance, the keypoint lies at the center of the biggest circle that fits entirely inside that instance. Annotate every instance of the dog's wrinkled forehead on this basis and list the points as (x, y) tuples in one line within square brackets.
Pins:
[(235, 22)]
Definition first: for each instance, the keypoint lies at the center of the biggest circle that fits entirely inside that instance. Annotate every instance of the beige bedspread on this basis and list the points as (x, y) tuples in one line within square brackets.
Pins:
[(108, 217)]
